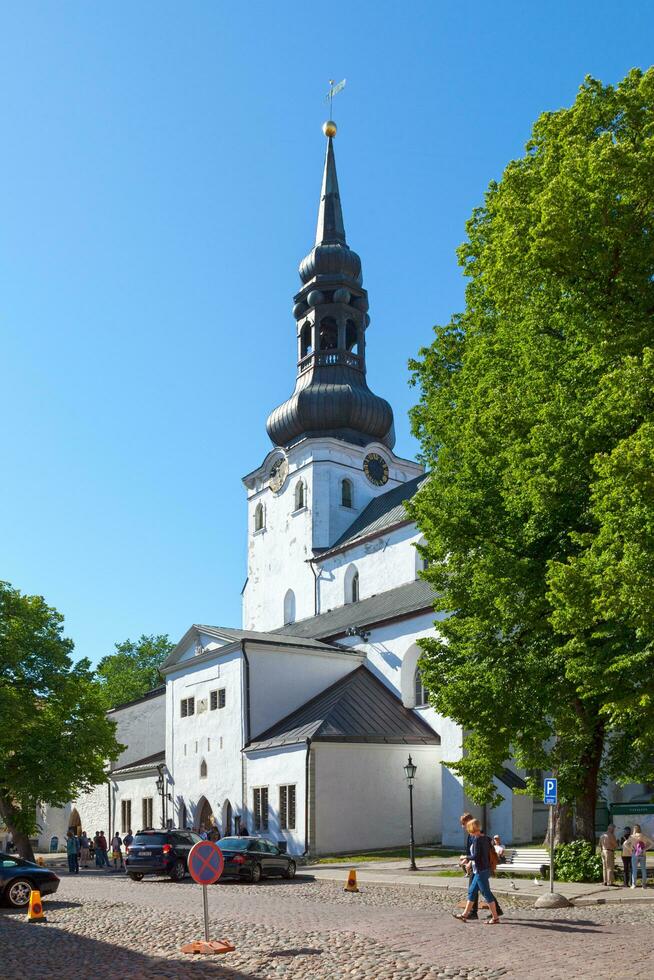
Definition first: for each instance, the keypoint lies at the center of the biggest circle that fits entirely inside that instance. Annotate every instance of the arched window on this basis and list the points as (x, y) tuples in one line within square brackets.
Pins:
[(300, 500), (258, 517), (203, 770), (351, 584), (422, 697), (289, 607), (305, 340), (328, 334), (351, 336), (346, 493)]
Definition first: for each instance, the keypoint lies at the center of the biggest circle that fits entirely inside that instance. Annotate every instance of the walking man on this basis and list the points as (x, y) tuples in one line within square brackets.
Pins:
[(71, 853)]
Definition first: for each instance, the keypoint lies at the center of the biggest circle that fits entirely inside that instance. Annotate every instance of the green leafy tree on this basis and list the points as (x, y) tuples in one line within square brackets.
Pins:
[(133, 669), (536, 416), (55, 738)]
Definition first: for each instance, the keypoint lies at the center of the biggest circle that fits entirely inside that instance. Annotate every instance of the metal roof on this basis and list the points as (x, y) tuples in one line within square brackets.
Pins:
[(382, 512), (510, 779), (357, 708), (154, 693), (141, 765), (405, 599)]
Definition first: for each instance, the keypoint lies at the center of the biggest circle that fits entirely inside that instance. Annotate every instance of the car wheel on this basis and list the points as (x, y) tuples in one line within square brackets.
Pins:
[(179, 871), (18, 893), (290, 871), (135, 877), (255, 874)]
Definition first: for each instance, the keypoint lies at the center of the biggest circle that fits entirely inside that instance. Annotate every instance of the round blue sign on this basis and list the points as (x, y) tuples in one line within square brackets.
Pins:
[(205, 862)]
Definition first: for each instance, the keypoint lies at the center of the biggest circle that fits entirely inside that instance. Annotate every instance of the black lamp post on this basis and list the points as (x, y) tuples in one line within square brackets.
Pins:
[(410, 770), (160, 789)]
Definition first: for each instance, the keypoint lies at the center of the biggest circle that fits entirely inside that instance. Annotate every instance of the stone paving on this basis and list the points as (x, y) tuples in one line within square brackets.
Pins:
[(105, 926)]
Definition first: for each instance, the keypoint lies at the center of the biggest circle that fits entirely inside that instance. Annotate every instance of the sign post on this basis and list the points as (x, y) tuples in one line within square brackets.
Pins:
[(205, 866), (550, 799)]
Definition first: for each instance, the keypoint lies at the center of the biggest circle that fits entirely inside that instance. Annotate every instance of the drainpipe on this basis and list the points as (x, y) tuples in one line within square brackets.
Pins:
[(109, 806), (246, 734), (310, 563), (306, 799)]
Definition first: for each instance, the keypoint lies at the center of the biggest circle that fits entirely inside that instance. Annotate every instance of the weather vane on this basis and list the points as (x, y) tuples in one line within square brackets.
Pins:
[(329, 128)]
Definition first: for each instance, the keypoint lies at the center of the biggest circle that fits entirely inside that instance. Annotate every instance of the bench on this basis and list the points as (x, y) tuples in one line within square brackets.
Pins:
[(530, 860)]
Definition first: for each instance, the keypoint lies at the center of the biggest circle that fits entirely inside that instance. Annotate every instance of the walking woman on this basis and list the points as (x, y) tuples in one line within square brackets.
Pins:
[(640, 844), (627, 851), (480, 846)]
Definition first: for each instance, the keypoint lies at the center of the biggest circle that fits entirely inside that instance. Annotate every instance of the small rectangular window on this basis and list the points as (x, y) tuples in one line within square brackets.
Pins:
[(147, 812), (260, 795), (187, 707), (221, 697), (213, 700), (287, 807), (125, 815)]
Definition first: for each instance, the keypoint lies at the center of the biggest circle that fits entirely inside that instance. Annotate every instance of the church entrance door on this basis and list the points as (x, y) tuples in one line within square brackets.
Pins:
[(205, 820)]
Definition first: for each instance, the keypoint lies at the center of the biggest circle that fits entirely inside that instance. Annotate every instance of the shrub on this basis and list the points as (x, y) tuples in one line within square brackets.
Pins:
[(577, 862)]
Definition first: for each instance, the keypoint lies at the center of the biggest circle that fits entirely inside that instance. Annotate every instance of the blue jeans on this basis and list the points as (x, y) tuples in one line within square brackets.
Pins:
[(480, 883), (635, 860), (73, 864)]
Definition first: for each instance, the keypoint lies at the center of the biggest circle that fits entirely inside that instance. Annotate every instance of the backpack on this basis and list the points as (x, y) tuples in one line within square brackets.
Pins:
[(639, 848), (493, 859)]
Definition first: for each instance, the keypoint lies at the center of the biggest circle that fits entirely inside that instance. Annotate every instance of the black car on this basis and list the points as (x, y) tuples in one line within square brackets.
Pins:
[(18, 877), (160, 852), (254, 858)]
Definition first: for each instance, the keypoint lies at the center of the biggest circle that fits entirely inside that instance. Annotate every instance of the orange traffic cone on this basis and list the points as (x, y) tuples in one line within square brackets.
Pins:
[(35, 909), (351, 882)]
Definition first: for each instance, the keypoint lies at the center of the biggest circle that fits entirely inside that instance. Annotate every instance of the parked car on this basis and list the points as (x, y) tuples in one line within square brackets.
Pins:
[(18, 877), (254, 858), (160, 852)]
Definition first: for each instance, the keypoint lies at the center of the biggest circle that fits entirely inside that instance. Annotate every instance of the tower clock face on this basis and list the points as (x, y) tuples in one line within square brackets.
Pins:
[(376, 469), (278, 474)]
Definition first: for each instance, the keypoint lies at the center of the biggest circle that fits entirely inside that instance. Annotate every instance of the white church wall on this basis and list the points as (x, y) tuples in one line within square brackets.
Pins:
[(278, 553), (93, 809), (281, 681), (135, 789), (215, 736), (140, 726), (362, 799), (273, 768), (383, 563)]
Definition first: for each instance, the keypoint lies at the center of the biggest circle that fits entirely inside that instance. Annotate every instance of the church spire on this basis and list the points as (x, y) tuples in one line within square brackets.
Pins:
[(331, 397), (330, 215)]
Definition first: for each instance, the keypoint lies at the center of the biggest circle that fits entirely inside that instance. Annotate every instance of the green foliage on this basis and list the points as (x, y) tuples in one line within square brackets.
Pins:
[(55, 738), (536, 417), (133, 669), (577, 861)]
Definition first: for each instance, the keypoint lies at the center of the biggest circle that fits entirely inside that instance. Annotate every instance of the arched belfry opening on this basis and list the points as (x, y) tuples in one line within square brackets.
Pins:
[(328, 333)]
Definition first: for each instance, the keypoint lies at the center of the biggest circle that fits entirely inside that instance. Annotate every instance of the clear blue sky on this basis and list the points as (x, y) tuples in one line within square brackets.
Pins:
[(159, 179)]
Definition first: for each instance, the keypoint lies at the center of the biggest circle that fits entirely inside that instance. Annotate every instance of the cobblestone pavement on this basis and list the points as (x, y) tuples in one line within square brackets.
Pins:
[(106, 926)]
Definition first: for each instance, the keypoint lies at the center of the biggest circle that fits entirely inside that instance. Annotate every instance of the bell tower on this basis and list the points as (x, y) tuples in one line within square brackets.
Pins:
[(332, 439)]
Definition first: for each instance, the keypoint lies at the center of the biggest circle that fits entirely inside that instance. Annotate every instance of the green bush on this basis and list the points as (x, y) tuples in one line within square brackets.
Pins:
[(577, 862)]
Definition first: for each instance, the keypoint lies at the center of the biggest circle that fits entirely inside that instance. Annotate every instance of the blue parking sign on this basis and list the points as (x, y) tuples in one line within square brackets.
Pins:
[(550, 791)]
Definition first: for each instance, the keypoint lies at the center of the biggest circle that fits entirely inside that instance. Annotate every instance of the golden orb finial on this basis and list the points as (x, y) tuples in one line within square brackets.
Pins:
[(329, 128)]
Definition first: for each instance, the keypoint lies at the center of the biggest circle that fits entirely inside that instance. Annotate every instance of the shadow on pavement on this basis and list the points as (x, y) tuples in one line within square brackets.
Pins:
[(45, 950), (554, 925), (49, 904)]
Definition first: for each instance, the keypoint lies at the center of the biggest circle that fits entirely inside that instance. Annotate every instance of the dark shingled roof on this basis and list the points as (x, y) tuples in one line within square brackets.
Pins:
[(402, 601), (141, 765), (510, 779), (358, 708), (382, 512)]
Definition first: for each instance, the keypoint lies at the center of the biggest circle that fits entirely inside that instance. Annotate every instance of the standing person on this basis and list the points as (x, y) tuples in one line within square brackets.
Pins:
[(627, 851), (116, 850), (464, 862), (480, 863), (96, 849), (608, 844), (103, 848), (71, 853), (84, 854), (640, 843), (128, 838)]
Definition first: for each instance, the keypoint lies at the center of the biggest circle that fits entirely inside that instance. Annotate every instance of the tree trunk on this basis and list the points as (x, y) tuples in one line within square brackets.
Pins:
[(11, 818), (562, 826), (586, 801)]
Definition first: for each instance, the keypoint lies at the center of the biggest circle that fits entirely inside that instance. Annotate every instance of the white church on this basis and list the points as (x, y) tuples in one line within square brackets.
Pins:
[(299, 724)]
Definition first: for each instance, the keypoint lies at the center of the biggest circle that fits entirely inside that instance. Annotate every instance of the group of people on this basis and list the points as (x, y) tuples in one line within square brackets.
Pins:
[(79, 849), (633, 845)]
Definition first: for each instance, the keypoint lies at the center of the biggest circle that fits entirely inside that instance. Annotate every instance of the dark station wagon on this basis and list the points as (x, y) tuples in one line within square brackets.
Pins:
[(254, 858), (160, 852)]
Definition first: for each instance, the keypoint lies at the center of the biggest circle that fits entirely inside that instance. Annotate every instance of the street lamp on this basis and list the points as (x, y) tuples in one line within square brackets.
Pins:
[(160, 790), (410, 772)]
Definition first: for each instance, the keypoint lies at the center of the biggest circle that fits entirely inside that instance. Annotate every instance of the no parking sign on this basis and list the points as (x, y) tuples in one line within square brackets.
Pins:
[(205, 865)]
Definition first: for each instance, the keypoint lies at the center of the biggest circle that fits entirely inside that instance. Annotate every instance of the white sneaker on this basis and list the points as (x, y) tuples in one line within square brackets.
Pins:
[(632, 886)]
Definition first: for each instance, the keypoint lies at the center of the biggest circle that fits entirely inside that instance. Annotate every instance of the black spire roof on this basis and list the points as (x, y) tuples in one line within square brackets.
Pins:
[(331, 396)]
